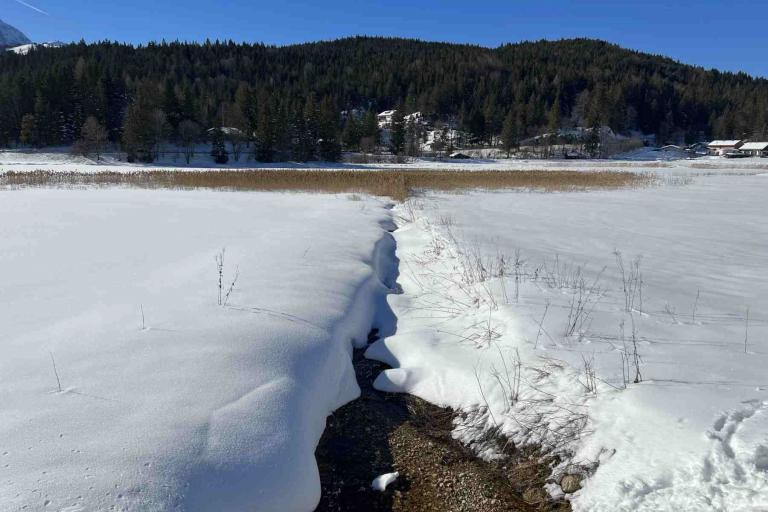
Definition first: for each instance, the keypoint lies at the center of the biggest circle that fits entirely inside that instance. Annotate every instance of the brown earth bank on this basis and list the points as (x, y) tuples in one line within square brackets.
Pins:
[(382, 433)]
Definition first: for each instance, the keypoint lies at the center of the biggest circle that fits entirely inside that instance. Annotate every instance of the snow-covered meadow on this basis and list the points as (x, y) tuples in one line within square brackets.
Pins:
[(546, 344), (160, 398), (644, 160), (125, 385)]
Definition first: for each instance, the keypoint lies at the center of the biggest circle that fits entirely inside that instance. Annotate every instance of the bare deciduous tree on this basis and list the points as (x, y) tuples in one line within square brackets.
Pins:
[(189, 134)]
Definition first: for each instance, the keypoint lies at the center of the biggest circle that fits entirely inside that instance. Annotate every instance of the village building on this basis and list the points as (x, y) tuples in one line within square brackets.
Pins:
[(385, 118), (721, 147), (755, 149)]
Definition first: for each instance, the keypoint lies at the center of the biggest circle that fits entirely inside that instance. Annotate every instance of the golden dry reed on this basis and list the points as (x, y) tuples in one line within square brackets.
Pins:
[(392, 183)]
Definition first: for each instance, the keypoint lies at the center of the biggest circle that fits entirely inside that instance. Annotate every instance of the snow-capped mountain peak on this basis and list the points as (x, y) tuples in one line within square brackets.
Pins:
[(11, 36)]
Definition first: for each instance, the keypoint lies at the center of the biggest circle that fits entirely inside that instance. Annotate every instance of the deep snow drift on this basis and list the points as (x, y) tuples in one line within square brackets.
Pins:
[(168, 400), (544, 344)]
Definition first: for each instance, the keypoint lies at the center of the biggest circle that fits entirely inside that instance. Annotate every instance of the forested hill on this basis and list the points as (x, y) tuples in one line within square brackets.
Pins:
[(538, 84)]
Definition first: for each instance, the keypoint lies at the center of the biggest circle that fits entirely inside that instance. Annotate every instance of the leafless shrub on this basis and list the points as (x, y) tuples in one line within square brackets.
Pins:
[(509, 377), (231, 287), (223, 295), (670, 310), (746, 331), (481, 334), (634, 356), (590, 376), (583, 301), (518, 265), (502, 274), (561, 275), (541, 322), (411, 206), (56, 372), (695, 307), (631, 281), (446, 221), (220, 271)]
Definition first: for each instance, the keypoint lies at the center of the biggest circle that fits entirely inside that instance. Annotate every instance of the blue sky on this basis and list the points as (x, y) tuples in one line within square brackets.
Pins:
[(725, 35)]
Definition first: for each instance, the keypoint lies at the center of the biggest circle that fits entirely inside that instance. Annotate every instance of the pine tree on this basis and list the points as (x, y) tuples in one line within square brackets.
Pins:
[(218, 148), (510, 136), (329, 146), (553, 119), (397, 132), (412, 137), (352, 133), (265, 137), (310, 135), (28, 133), (592, 142), (172, 107), (371, 134)]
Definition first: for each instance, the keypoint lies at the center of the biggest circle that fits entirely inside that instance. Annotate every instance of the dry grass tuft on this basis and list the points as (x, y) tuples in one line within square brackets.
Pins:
[(395, 184)]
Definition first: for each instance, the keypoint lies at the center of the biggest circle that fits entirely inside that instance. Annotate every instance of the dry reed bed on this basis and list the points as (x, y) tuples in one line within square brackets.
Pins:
[(395, 184)]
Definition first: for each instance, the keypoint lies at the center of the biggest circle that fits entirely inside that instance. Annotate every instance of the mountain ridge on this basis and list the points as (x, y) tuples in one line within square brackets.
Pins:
[(10, 36)]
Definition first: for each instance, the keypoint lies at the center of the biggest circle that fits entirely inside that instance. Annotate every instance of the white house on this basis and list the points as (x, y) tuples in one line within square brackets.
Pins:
[(755, 148), (385, 118), (721, 147), (416, 118)]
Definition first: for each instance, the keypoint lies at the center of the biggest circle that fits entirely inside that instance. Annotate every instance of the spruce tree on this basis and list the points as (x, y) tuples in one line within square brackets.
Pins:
[(509, 133), (371, 134), (352, 133), (265, 136), (218, 148), (329, 147), (28, 132), (397, 132)]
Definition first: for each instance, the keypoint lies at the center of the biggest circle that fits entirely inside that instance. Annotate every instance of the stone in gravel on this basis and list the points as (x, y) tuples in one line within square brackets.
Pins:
[(535, 496), (570, 483)]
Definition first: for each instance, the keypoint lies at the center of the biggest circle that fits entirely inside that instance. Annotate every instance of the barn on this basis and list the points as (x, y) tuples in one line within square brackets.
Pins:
[(755, 149), (721, 147)]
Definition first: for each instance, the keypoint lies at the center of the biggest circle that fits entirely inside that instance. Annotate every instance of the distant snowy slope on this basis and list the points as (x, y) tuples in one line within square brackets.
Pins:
[(26, 48), (22, 49), (11, 36)]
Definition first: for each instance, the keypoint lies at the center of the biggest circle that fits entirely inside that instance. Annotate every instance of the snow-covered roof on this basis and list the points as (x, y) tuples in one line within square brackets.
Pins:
[(387, 113), (227, 130), (723, 143), (758, 146)]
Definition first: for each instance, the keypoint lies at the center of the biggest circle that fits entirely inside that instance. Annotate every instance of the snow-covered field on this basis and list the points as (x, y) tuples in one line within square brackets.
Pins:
[(546, 348), (638, 161), (125, 385), (167, 400)]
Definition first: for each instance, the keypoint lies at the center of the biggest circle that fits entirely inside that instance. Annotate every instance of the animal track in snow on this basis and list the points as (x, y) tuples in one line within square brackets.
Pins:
[(740, 445)]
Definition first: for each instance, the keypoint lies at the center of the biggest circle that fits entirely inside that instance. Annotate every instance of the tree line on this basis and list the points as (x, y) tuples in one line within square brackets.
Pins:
[(312, 101)]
